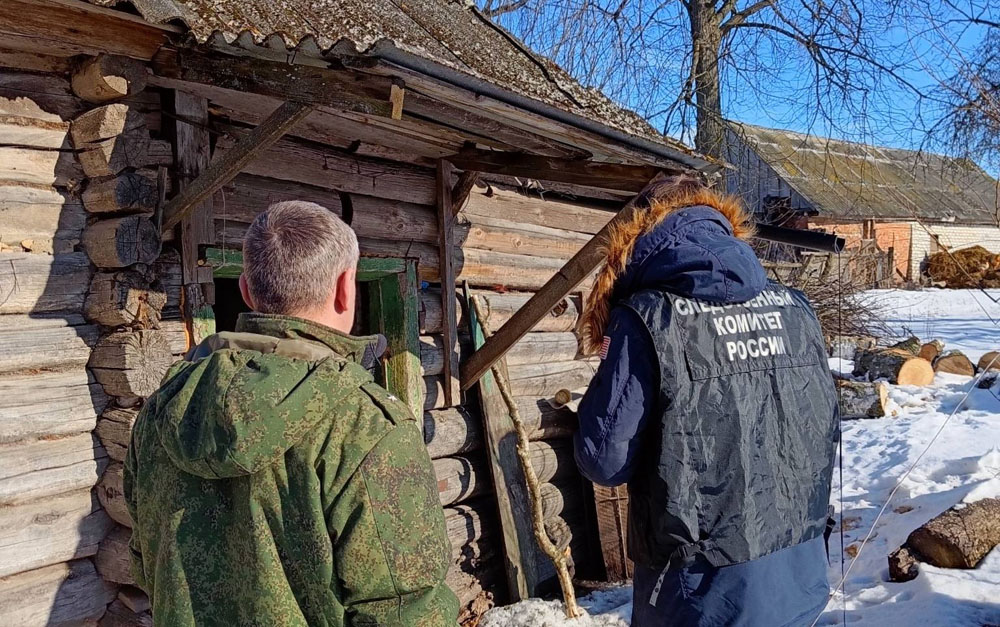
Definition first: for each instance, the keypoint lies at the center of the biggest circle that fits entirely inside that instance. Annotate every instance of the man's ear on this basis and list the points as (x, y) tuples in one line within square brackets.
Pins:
[(344, 296), (245, 292)]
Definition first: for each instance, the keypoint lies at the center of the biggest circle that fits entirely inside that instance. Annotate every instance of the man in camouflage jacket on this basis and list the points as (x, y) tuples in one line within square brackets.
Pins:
[(270, 480)]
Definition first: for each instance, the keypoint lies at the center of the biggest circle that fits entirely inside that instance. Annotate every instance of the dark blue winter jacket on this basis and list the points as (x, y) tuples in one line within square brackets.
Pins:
[(692, 254)]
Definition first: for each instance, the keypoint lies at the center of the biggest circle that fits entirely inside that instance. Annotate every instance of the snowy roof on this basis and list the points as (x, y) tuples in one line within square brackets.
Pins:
[(453, 34), (844, 179)]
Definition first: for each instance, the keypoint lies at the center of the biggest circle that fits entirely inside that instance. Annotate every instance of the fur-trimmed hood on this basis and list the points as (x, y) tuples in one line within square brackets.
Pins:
[(694, 246)]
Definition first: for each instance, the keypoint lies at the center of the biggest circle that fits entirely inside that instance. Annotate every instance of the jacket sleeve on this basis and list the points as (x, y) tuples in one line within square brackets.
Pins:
[(615, 410), (392, 553)]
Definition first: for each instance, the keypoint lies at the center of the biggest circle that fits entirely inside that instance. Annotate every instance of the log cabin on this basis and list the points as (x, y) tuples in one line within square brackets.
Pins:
[(138, 139)]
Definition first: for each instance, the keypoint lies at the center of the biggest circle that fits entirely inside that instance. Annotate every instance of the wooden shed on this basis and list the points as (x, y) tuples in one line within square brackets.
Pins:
[(137, 141)]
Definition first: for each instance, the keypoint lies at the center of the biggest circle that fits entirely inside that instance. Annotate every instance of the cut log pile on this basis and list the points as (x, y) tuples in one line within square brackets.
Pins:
[(959, 538)]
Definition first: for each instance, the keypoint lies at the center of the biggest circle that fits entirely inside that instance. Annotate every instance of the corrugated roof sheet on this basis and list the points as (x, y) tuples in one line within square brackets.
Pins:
[(451, 33), (851, 180)]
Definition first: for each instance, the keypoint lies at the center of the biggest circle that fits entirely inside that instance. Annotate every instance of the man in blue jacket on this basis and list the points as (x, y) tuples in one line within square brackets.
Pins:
[(714, 401)]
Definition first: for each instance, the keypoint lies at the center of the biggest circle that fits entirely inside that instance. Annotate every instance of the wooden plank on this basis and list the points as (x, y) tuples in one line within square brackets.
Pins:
[(555, 289), (629, 178), (449, 326), (508, 236), (612, 525), (331, 169), (520, 550), (510, 271), (463, 187), (224, 169), (72, 27), (193, 148), (50, 531), (65, 594), (534, 208), (310, 84), (41, 168)]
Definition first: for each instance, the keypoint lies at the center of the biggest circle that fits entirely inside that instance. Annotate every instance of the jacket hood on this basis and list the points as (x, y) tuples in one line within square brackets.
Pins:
[(694, 247), (241, 400)]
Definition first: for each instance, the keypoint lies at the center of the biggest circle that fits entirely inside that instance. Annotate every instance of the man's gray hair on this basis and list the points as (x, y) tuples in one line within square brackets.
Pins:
[(293, 254)]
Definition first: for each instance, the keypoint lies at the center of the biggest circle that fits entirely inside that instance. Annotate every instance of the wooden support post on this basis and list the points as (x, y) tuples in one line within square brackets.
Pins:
[(555, 289), (394, 308), (521, 553), (223, 170), (193, 148), (446, 228)]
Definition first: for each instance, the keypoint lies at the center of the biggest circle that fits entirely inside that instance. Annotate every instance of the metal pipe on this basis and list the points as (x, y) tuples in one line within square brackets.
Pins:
[(811, 240)]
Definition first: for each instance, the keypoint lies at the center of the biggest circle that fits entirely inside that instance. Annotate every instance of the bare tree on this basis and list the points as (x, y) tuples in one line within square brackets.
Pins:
[(684, 63)]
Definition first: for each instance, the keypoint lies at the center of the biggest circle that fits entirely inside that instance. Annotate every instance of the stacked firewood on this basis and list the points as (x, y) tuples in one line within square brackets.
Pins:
[(910, 362)]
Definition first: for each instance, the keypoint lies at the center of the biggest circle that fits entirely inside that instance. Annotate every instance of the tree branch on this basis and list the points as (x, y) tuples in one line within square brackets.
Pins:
[(739, 17), (510, 7)]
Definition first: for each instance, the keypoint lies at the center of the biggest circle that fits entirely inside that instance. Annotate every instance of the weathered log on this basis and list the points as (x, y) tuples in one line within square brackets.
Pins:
[(47, 532), (34, 110), (124, 298), (954, 362), (53, 219), (42, 283), (37, 469), (499, 309), (114, 429), (545, 379), (112, 559), (110, 156), (911, 345), (483, 268), (990, 361), (862, 399), (960, 537), (291, 161), (34, 343), (931, 350), (130, 192), (41, 168), (497, 201), (532, 348), (131, 363), (461, 478), (177, 336), (134, 599), (898, 366), (111, 494), (433, 393), (506, 236), (49, 404), (120, 242), (454, 431), (903, 565), (65, 594), (120, 615), (168, 269), (106, 122), (845, 346), (106, 78)]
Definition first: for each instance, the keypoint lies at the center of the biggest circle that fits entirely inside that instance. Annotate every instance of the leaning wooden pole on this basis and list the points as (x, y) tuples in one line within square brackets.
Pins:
[(555, 289), (559, 558)]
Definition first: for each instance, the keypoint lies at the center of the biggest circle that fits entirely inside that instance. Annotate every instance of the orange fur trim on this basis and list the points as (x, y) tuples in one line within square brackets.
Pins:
[(621, 242)]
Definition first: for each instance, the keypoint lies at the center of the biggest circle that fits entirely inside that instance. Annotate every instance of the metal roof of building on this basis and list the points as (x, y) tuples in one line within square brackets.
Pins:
[(453, 34), (844, 179)]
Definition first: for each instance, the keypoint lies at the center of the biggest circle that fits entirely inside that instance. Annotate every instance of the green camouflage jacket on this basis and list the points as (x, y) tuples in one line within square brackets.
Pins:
[(272, 482)]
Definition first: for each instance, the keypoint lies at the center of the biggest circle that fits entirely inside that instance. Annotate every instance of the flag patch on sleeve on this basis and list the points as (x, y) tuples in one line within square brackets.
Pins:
[(605, 345)]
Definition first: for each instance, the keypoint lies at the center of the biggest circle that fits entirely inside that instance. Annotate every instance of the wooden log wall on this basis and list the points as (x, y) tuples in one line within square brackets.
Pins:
[(506, 241)]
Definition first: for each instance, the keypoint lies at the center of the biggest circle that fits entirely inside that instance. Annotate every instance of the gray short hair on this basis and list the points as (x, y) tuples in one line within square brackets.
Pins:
[(293, 254)]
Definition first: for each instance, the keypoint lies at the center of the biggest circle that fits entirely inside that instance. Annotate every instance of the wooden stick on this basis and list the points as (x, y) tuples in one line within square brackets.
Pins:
[(460, 193), (222, 171), (446, 228), (559, 558), (555, 289)]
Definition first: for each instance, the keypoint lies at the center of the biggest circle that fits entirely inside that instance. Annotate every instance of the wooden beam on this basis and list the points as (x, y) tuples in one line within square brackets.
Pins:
[(555, 289), (630, 178), (463, 187), (224, 169), (446, 230), (521, 553), (339, 89)]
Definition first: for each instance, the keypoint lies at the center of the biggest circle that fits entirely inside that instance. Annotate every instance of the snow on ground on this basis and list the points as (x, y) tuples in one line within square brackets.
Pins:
[(963, 465)]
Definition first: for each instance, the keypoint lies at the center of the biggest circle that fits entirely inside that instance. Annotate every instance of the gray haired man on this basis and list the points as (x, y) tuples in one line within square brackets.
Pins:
[(270, 480)]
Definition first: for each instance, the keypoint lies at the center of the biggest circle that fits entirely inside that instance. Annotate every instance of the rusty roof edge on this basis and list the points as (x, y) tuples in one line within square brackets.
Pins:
[(386, 50)]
